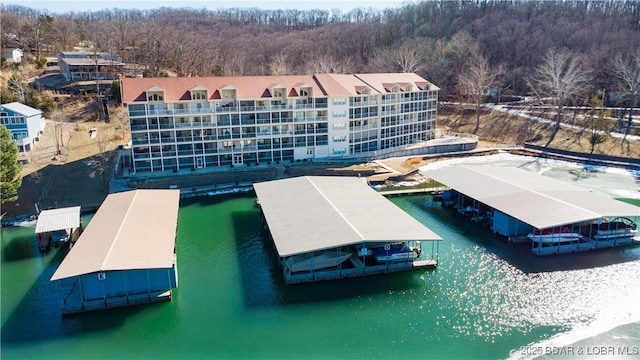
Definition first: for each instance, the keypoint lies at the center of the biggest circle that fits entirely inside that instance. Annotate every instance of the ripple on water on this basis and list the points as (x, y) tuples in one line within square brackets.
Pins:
[(499, 297)]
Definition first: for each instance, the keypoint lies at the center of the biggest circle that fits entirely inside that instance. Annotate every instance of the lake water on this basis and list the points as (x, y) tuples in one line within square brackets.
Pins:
[(487, 299)]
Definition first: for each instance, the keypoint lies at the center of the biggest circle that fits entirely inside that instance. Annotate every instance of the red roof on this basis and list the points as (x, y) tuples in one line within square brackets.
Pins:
[(257, 87)]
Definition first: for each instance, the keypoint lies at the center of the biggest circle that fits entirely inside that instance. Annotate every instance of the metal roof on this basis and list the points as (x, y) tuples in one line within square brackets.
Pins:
[(537, 200), (322, 212), (21, 109), (131, 230), (58, 219)]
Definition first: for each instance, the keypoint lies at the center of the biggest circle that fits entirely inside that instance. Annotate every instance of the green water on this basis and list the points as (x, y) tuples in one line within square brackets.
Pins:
[(486, 298)]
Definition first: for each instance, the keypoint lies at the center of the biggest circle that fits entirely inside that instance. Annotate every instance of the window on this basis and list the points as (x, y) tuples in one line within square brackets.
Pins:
[(339, 101), (198, 95), (19, 135), (339, 126), (155, 97), (340, 138)]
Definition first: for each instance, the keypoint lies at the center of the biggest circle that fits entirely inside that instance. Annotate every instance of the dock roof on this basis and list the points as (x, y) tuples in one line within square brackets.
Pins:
[(313, 213), (537, 200), (58, 219), (131, 230)]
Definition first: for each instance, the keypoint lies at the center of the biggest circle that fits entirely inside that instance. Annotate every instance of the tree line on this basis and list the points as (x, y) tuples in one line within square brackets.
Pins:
[(439, 39)]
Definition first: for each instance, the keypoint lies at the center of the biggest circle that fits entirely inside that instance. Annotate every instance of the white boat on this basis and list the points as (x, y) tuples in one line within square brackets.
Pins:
[(617, 241), (554, 235), (618, 228), (26, 221), (395, 252), (311, 262), (544, 248)]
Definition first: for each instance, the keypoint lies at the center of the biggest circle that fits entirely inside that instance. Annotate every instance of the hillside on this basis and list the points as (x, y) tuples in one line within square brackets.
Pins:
[(500, 129)]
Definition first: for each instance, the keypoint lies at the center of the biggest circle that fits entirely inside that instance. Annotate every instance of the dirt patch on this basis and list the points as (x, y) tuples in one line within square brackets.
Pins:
[(67, 167)]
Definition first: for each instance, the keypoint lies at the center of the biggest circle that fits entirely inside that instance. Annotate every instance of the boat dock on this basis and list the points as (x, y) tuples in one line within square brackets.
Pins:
[(556, 217), (336, 227)]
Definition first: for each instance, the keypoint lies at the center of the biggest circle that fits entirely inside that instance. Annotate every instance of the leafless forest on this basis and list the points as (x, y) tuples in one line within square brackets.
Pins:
[(439, 40)]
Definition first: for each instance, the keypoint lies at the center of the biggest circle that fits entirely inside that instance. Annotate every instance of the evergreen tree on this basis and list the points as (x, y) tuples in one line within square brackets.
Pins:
[(10, 179)]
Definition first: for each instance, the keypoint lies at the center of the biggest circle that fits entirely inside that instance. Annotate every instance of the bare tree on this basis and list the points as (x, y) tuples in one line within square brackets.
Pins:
[(628, 70), (18, 87), (65, 35), (597, 123), (562, 76), (120, 119), (406, 58), (279, 65), (58, 130), (326, 64), (478, 78), (102, 161)]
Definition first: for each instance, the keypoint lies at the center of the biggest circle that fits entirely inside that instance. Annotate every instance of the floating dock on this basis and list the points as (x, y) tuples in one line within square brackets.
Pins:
[(555, 216), (331, 227)]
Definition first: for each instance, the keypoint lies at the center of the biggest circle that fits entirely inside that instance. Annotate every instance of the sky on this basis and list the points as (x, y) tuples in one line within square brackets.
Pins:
[(92, 5)]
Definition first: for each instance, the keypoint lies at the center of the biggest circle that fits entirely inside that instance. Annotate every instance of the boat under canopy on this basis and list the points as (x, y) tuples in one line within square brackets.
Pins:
[(327, 227)]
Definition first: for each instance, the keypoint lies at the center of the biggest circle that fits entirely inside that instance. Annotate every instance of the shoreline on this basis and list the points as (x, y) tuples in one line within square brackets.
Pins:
[(245, 185)]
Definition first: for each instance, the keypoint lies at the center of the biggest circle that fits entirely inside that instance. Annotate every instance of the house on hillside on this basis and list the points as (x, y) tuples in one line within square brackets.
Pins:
[(24, 122), (81, 65), (190, 123), (12, 55)]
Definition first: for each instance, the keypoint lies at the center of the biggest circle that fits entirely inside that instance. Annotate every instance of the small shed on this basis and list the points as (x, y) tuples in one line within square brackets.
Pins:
[(12, 55), (57, 226), (126, 255)]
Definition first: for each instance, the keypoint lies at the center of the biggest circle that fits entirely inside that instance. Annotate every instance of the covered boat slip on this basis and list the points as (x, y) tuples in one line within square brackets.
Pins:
[(557, 217), (55, 226), (327, 227), (125, 256)]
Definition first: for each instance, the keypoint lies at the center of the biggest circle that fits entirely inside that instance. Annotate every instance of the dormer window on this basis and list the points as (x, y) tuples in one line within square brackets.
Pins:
[(198, 95), (228, 95), (155, 97), (278, 93)]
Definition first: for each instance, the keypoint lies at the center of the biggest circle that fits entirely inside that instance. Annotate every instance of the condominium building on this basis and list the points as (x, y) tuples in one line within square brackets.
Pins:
[(188, 123)]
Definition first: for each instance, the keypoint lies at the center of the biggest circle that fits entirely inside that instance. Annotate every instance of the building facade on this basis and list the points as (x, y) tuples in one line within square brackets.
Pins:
[(24, 122), (79, 66), (188, 123)]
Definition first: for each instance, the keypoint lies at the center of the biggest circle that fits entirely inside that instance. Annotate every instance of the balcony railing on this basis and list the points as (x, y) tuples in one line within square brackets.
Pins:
[(228, 109)]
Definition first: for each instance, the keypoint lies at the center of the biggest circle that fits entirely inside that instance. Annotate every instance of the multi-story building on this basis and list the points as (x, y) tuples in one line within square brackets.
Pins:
[(24, 122), (80, 65), (187, 123)]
